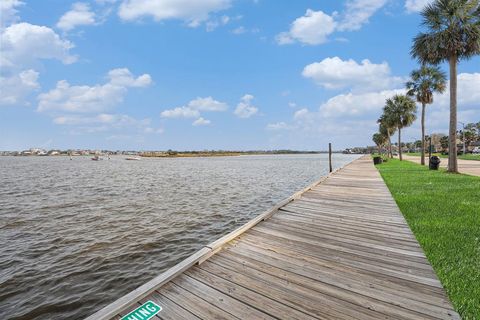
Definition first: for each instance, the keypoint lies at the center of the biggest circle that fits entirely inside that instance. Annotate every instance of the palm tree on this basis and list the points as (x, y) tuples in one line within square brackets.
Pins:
[(380, 140), (453, 34), (387, 128), (423, 83), (401, 110)]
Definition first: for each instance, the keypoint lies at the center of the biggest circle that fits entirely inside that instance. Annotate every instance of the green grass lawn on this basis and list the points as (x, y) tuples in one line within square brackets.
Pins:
[(468, 156), (443, 211)]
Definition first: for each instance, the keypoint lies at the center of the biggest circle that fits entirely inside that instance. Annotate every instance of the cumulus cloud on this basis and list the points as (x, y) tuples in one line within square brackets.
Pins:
[(245, 109), (201, 122), (8, 11), (335, 73), (193, 109), (193, 12), (213, 24), (416, 5), (17, 87), (106, 122), (24, 43), (79, 15), (370, 104), (358, 12), (207, 104), (468, 92), (278, 126), (23, 46), (345, 118), (103, 118), (122, 77), (97, 98), (351, 104), (313, 28), (180, 112)]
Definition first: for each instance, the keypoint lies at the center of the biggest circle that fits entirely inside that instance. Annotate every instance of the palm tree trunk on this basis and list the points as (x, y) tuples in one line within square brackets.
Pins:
[(399, 143), (422, 161), (452, 135), (389, 145)]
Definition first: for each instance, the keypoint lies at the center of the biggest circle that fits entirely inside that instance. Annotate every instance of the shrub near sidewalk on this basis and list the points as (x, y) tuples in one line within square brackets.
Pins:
[(443, 211)]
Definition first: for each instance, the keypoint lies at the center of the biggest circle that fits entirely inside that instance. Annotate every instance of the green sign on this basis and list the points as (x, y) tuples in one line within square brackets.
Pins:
[(144, 312)]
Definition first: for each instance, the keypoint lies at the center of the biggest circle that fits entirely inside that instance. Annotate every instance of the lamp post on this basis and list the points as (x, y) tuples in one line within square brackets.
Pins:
[(463, 132)]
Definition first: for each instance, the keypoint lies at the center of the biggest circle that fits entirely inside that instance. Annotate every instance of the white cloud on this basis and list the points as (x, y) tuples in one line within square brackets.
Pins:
[(104, 2), (278, 126), (201, 122), (313, 28), (122, 77), (239, 30), (8, 11), (207, 104), (24, 43), (468, 92), (112, 120), (193, 108), (245, 109), (180, 112), (349, 119), (193, 12), (153, 130), (95, 98), (79, 15), (358, 12), (212, 24), (300, 114), (335, 73), (416, 5), (355, 105), (17, 87), (105, 122)]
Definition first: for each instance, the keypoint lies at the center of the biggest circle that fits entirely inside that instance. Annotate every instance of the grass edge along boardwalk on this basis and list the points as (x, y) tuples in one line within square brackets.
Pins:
[(339, 249), (443, 210)]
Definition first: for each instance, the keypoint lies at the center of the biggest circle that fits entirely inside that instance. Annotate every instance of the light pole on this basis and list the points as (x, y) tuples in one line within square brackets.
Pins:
[(463, 132)]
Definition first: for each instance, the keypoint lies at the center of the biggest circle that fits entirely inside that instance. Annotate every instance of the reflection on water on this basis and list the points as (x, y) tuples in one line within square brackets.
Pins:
[(76, 235)]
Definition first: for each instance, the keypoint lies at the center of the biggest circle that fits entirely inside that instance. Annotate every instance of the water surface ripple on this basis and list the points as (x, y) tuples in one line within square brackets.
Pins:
[(77, 234)]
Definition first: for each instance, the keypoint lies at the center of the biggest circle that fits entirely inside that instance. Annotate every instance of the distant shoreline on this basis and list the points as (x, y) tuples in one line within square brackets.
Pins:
[(159, 154)]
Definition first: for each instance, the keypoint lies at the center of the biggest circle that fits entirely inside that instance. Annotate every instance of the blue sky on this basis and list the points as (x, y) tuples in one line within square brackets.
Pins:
[(211, 74)]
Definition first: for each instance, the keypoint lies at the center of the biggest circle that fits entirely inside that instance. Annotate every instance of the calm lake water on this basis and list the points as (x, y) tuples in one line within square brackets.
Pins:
[(76, 235)]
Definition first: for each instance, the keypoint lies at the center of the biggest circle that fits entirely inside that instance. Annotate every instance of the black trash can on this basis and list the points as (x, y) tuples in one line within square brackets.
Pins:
[(377, 160), (434, 163)]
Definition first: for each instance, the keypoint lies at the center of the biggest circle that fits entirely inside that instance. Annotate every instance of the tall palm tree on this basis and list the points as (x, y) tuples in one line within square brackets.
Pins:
[(423, 83), (453, 34), (401, 110), (387, 128)]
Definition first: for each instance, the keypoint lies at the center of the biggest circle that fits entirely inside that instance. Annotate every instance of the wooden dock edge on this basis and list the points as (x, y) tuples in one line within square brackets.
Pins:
[(198, 257)]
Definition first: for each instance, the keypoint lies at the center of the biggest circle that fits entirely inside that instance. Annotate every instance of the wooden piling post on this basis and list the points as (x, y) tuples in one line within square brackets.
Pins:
[(330, 156)]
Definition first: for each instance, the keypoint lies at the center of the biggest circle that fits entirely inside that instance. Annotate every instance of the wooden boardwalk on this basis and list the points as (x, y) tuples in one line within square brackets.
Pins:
[(341, 250)]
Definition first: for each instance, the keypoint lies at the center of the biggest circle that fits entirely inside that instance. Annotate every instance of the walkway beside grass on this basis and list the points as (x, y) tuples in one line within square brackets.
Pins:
[(443, 211), (471, 167), (340, 250)]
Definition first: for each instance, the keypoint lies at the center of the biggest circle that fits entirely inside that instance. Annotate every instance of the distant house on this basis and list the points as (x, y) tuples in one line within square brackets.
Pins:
[(473, 145)]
